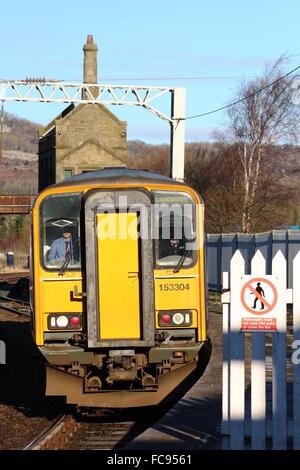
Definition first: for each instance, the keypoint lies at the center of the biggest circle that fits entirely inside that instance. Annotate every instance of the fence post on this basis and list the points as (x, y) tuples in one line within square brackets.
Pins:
[(258, 373), (279, 361), (226, 362), (237, 367), (296, 367)]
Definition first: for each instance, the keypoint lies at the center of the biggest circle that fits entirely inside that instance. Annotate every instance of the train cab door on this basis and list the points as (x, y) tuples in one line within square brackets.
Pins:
[(119, 268)]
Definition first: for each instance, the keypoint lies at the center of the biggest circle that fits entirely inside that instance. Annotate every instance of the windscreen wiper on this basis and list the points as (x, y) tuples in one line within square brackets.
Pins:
[(181, 261), (65, 264), (66, 261)]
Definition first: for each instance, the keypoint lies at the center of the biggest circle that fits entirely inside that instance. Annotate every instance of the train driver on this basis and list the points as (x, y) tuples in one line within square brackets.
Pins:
[(61, 248)]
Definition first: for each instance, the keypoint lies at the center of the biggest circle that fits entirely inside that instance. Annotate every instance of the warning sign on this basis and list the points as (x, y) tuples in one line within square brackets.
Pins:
[(259, 303), (263, 324)]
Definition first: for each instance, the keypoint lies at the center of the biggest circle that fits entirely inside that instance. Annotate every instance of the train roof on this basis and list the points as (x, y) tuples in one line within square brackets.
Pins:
[(117, 175)]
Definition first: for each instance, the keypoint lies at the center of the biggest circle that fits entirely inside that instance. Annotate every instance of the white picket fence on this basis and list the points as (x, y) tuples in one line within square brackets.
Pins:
[(260, 428)]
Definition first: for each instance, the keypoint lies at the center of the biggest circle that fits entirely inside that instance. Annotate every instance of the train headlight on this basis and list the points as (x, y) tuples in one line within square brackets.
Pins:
[(175, 318), (178, 318), (62, 321)]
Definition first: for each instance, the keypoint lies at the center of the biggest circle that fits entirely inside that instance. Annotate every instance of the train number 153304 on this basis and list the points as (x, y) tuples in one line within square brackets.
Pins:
[(174, 286)]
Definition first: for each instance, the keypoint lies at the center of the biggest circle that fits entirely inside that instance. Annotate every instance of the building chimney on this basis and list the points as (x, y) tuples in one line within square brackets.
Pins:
[(90, 63)]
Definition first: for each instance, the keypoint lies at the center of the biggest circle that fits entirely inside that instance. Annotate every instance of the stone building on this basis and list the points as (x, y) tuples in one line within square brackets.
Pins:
[(82, 138)]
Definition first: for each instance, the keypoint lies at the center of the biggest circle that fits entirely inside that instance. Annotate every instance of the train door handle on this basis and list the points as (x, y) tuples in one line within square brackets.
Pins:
[(133, 275), (78, 294)]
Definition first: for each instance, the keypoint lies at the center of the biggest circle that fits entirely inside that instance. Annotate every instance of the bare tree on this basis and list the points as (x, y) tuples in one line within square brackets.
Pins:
[(257, 122), (214, 171), (149, 157)]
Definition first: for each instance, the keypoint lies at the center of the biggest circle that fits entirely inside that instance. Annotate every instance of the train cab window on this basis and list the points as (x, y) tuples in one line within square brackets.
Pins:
[(60, 232), (174, 227)]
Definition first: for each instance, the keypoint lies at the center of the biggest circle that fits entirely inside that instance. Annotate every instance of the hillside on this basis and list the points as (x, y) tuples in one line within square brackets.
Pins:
[(19, 162), (19, 165), (20, 134)]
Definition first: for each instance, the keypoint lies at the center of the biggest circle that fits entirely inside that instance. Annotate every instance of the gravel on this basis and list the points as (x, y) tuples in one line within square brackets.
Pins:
[(24, 411)]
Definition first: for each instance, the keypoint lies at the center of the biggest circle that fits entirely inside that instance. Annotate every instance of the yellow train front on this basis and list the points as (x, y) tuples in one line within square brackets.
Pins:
[(118, 288)]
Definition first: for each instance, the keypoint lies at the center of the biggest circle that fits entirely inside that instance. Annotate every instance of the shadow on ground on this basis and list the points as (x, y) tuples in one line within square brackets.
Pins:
[(191, 425), (22, 378)]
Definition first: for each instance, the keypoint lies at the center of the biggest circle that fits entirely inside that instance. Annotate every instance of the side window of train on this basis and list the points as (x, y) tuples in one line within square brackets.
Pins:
[(60, 231), (174, 229)]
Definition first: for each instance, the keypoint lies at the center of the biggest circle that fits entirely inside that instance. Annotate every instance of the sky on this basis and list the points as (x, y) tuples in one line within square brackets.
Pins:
[(206, 47)]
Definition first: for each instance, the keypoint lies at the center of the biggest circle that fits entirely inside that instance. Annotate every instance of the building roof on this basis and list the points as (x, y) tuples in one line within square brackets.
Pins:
[(44, 131)]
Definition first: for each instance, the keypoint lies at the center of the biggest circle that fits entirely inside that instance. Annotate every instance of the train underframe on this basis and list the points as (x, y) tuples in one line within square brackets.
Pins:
[(118, 378)]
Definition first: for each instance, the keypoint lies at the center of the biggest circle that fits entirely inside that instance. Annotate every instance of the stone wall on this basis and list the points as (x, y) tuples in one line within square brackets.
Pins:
[(88, 138)]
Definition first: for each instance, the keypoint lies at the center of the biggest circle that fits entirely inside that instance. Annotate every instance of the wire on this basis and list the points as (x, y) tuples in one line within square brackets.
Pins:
[(203, 77), (242, 99)]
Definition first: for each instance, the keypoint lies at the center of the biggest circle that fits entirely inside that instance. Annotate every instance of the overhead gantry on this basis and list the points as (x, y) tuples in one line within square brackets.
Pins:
[(51, 91)]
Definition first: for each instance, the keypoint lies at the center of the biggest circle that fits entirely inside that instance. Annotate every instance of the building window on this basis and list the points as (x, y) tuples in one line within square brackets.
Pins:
[(68, 174)]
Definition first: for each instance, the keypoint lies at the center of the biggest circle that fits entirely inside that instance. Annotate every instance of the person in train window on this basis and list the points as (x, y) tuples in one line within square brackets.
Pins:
[(61, 248), (177, 246), (172, 246)]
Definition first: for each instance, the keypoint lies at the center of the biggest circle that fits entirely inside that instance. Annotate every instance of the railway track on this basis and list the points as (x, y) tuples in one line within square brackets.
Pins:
[(72, 433), (103, 435), (5, 277), (55, 436), (15, 306), (106, 429), (12, 304)]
